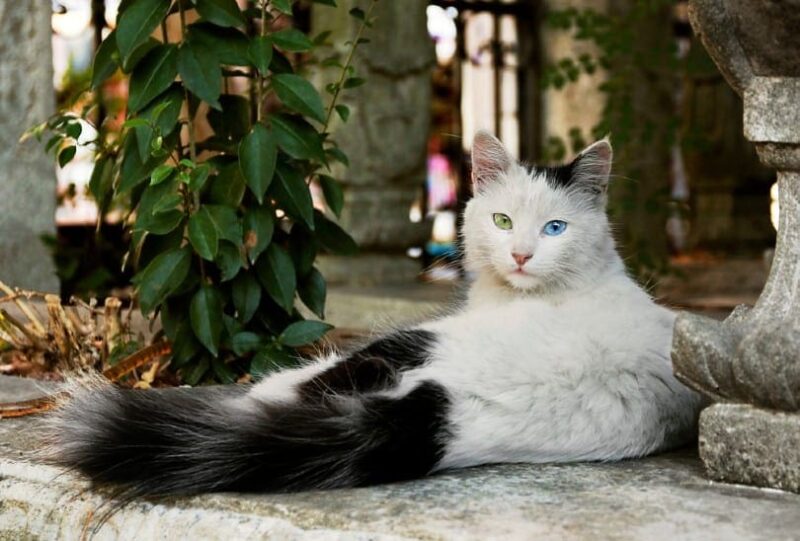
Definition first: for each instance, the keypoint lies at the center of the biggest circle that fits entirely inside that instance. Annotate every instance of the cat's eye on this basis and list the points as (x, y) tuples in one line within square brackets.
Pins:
[(554, 228), (502, 221)]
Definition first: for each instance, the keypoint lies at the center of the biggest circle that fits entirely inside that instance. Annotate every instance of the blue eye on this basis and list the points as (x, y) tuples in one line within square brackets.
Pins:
[(554, 228)]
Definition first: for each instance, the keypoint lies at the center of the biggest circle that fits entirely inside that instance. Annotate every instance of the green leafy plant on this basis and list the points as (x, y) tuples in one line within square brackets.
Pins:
[(224, 233)]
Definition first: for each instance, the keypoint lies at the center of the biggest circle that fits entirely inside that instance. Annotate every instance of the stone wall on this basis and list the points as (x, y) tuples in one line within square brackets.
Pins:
[(579, 104), (27, 178)]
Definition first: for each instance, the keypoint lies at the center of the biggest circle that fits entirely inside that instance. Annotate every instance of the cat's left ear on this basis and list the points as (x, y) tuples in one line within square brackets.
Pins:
[(490, 159), (592, 167)]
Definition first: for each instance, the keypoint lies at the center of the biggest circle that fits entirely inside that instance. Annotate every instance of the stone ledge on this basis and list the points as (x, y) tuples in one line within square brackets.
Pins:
[(658, 498)]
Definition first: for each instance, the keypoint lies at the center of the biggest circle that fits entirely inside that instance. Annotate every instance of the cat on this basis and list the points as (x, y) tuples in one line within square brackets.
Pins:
[(557, 355)]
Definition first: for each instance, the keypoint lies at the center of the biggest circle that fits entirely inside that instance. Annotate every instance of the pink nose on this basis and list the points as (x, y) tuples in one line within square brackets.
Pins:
[(521, 259)]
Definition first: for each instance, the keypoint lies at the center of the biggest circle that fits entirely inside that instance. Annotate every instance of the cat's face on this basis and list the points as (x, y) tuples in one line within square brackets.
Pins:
[(541, 228)]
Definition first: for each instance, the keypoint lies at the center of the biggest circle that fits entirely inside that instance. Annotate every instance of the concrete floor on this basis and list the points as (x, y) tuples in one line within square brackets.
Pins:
[(658, 498)]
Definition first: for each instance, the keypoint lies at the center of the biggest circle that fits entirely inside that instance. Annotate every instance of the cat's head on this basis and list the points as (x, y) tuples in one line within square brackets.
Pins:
[(538, 229)]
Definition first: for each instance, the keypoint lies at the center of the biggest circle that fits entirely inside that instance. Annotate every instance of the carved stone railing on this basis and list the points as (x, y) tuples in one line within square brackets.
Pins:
[(750, 363)]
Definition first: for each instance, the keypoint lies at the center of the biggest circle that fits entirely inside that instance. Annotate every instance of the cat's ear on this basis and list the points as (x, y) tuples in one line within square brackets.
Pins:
[(592, 167), (489, 159)]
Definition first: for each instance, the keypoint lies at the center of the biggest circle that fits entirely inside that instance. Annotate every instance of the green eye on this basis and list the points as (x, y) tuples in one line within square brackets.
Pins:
[(502, 221)]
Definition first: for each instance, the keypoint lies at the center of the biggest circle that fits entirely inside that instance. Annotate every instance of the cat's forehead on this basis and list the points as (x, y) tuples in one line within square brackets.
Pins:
[(530, 189)]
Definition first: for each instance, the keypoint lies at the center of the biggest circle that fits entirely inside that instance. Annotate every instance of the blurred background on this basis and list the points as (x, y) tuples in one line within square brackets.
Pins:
[(694, 210)]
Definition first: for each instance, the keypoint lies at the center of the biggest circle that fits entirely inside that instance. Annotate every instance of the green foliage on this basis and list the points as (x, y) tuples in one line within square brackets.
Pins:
[(224, 232)]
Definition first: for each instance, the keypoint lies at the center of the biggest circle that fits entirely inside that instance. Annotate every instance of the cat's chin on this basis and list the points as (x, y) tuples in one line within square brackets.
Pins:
[(523, 281)]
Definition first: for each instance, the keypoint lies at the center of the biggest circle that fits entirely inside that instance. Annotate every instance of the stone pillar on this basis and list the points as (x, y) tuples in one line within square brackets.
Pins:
[(27, 176), (750, 363), (385, 139)]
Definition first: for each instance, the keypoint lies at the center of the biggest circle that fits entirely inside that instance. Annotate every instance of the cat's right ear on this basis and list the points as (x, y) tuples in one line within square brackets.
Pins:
[(489, 159)]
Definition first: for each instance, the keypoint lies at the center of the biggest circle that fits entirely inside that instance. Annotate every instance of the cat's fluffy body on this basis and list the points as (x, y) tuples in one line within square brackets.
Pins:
[(562, 358)]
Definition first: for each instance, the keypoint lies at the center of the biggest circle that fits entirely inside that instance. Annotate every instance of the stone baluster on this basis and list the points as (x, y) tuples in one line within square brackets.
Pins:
[(750, 363)]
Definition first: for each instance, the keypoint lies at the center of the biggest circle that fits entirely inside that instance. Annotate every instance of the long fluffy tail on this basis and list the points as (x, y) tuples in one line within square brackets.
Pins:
[(186, 441)]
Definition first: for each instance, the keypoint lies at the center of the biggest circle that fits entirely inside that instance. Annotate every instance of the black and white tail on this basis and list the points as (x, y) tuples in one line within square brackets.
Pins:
[(187, 441)]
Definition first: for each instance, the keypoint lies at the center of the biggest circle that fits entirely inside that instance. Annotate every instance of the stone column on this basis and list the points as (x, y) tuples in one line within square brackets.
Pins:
[(385, 139), (27, 176), (750, 363)]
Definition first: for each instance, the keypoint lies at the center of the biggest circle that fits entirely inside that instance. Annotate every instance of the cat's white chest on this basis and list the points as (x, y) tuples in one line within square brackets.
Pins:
[(540, 381)]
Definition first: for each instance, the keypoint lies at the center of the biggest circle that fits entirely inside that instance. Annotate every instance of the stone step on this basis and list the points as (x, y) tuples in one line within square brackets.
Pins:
[(659, 498)]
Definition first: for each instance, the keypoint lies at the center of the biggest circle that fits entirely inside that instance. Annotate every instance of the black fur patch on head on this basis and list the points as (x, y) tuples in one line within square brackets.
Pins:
[(374, 367), (559, 176)]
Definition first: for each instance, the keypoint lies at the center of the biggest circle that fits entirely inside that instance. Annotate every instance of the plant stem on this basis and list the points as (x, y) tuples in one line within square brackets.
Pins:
[(190, 121), (346, 66), (260, 80)]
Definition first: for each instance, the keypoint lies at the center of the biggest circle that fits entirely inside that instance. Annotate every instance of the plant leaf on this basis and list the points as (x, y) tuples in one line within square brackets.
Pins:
[(297, 137), (229, 44), (257, 156), (276, 273), (270, 359), (284, 6), (138, 54), (163, 113), (233, 122), (200, 71), (333, 237), (105, 62), (152, 76), (260, 53), (228, 187), (227, 223), (293, 195), (100, 183), (160, 223), (343, 111), (203, 234), (246, 294), (220, 12), (332, 191), (161, 277), (297, 93), (353, 82), (245, 342), (161, 173), (66, 155), (205, 313), (198, 177), (192, 375), (223, 372), (312, 290), (292, 40), (137, 22), (228, 260), (301, 333), (259, 225)]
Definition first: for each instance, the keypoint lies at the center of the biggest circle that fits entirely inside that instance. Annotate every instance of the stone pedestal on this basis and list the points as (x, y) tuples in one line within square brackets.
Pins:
[(385, 138), (27, 177), (745, 444), (752, 359)]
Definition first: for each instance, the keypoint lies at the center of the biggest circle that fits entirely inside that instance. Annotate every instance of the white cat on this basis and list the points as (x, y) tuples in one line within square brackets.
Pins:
[(556, 356)]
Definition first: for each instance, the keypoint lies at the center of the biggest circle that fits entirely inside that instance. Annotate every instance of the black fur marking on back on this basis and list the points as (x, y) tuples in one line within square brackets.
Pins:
[(176, 441), (560, 176), (374, 367)]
